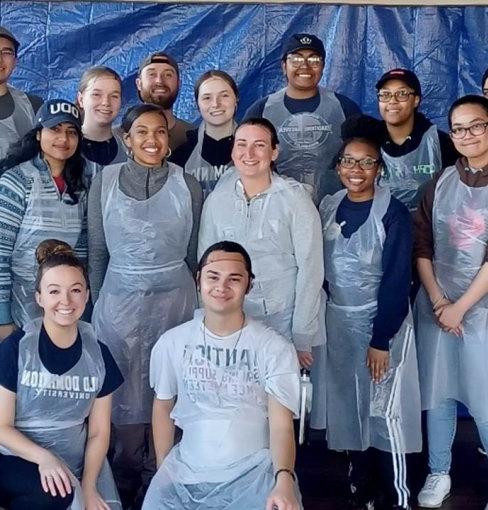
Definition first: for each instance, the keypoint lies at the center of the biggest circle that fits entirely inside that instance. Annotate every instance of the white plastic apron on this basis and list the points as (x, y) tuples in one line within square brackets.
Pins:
[(407, 175), (21, 121), (205, 173), (309, 141), (48, 215), (51, 409), (148, 287), (361, 413), (223, 460), (456, 367)]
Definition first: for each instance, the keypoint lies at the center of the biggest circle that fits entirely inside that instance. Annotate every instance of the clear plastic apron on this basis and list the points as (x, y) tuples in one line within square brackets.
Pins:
[(456, 367), (223, 460), (309, 141), (51, 409), (361, 413), (205, 173), (48, 215), (21, 121), (407, 175), (148, 287)]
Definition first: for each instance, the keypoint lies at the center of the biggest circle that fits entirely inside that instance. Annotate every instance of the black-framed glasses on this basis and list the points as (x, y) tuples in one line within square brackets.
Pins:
[(477, 129), (401, 96), (297, 61), (364, 164)]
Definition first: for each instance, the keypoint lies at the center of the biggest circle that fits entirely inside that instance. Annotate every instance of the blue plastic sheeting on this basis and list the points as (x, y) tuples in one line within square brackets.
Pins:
[(446, 46)]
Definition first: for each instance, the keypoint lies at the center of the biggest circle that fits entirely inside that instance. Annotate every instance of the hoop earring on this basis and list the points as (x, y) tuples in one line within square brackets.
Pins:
[(168, 154)]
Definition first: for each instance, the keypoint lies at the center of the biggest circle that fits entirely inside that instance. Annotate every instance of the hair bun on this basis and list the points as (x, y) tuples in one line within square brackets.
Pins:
[(50, 247), (362, 126)]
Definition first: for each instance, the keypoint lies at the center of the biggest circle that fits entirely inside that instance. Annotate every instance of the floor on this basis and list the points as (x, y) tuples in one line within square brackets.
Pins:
[(323, 482)]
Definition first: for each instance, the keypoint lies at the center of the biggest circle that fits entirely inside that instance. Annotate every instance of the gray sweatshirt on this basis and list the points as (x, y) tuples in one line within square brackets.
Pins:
[(141, 183)]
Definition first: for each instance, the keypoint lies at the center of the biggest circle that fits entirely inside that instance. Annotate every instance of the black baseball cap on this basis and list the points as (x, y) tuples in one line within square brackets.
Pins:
[(159, 58), (485, 77), (406, 76), (8, 35), (303, 42), (56, 111)]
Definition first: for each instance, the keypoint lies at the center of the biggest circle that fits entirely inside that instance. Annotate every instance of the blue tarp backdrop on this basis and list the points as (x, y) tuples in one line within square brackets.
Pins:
[(446, 46)]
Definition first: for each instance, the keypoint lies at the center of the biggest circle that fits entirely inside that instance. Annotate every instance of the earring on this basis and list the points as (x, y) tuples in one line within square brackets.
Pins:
[(168, 154)]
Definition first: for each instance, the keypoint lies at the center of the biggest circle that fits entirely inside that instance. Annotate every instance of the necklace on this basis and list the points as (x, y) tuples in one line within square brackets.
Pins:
[(237, 341)]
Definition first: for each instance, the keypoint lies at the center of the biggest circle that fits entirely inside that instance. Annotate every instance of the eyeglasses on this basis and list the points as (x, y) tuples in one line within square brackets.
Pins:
[(475, 130), (364, 164), (297, 61), (400, 95), (7, 53)]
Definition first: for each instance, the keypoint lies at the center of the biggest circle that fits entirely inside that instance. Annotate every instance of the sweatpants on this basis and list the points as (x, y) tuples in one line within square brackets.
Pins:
[(379, 476), (21, 489)]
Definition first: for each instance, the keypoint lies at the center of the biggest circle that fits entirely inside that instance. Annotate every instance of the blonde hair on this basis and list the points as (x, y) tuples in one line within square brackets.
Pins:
[(92, 74)]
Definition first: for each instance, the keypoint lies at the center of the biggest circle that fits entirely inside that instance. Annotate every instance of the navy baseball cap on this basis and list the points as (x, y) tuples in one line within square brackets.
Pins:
[(406, 76), (303, 42), (57, 111), (8, 35)]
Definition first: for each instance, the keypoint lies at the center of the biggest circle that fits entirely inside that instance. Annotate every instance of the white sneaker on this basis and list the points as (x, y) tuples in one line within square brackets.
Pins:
[(436, 489)]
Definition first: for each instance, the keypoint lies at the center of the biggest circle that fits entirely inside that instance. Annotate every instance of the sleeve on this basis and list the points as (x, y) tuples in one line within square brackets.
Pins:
[(98, 255), (256, 109), (207, 234), (423, 246), (349, 107), (13, 200), (9, 360), (196, 203), (449, 154), (394, 288), (113, 375), (162, 373), (81, 247), (280, 371), (35, 101), (306, 233)]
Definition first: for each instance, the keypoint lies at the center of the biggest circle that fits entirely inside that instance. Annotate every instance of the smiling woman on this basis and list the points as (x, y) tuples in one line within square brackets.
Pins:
[(46, 198)]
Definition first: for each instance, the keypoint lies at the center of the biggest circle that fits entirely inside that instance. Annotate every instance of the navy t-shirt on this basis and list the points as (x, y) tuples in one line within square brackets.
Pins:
[(393, 292), (56, 360)]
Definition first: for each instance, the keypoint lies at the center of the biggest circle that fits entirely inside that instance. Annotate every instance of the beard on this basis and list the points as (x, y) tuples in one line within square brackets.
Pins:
[(166, 102)]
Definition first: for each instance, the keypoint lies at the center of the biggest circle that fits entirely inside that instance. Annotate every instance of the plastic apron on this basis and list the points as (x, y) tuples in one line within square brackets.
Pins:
[(360, 413), (205, 173), (21, 121), (148, 287), (456, 367), (223, 460), (48, 215), (408, 175), (51, 409), (309, 141)]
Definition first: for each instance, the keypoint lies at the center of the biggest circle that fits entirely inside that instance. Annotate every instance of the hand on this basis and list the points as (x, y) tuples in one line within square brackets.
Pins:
[(283, 496), (305, 358), (378, 363), (93, 500), (6, 330), (56, 478), (450, 317)]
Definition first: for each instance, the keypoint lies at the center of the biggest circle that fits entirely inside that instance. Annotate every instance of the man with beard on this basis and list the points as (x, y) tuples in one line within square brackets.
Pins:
[(17, 109), (158, 83)]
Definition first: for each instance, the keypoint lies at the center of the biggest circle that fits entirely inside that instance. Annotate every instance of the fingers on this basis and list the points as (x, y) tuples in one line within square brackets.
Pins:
[(56, 482), (377, 369)]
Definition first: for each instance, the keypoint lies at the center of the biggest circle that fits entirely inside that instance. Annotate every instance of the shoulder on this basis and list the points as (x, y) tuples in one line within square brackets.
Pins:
[(266, 337), (177, 336), (9, 360), (299, 192), (11, 344), (256, 109), (349, 107), (397, 212), (18, 178), (182, 153), (183, 125)]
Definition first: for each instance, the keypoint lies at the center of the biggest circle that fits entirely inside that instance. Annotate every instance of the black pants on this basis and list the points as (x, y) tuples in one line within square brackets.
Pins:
[(378, 476), (21, 489)]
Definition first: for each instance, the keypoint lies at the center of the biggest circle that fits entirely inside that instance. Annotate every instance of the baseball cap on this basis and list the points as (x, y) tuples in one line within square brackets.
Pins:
[(406, 76), (159, 58), (56, 111), (303, 42), (484, 78), (8, 35)]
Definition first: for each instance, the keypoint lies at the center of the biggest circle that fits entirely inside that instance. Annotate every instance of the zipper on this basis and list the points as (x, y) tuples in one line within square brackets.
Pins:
[(147, 184)]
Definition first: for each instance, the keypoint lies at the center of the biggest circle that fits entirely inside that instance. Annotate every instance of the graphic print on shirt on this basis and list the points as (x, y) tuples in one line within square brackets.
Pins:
[(220, 374), (305, 130)]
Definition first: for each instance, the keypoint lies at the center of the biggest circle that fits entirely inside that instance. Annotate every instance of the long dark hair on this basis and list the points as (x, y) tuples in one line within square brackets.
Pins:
[(29, 147)]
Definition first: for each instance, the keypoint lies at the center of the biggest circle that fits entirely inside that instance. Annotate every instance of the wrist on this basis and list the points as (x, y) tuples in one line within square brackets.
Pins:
[(284, 474), (461, 306)]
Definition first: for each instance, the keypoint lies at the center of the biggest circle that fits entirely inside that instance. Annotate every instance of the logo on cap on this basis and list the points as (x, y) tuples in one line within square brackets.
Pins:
[(305, 40), (55, 108)]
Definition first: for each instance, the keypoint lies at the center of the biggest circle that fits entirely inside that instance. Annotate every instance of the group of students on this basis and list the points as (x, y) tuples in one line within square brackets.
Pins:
[(282, 283)]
